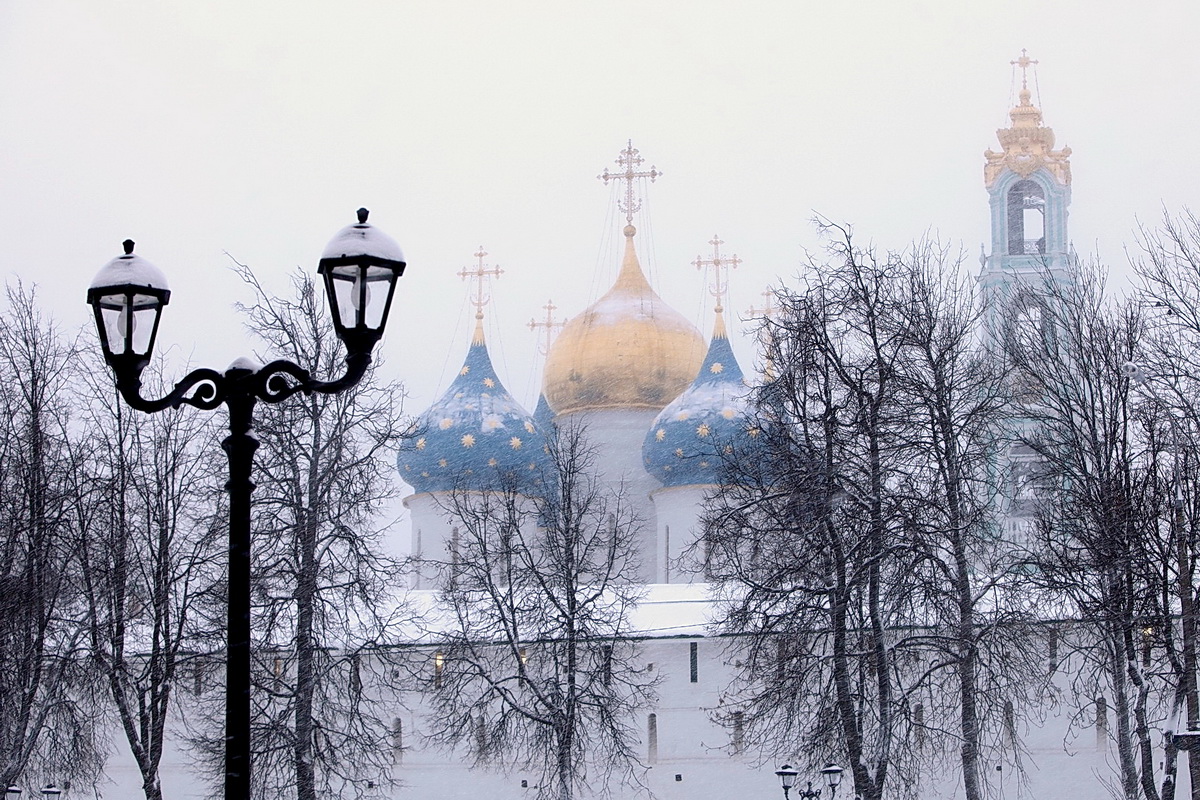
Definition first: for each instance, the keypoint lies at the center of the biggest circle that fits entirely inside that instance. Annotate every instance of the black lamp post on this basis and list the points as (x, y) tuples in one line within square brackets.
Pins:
[(360, 267)]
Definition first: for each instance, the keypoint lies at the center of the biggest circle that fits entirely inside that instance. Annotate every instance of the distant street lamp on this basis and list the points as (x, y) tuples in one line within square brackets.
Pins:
[(51, 792), (360, 267), (833, 777), (832, 774), (787, 777), (12, 793)]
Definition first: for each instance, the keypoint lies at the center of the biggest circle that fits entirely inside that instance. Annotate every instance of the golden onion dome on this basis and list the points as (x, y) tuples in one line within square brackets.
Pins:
[(627, 350)]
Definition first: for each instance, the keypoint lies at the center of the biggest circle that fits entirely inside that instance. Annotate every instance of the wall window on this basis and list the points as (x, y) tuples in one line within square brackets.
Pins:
[(694, 658), (1101, 722), (1053, 650), (652, 739), (397, 740), (439, 668), (738, 735)]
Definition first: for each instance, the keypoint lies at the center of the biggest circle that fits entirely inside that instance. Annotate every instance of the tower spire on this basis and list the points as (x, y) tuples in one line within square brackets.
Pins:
[(478, 273), (629, 161)]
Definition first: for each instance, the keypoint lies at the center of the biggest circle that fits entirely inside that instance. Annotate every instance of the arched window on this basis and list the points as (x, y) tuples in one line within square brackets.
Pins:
[(652, 739), (1026, 219)]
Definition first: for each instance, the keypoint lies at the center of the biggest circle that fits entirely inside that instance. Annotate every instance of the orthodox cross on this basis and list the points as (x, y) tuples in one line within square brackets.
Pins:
[(718, 262), (1024, 62), (550, 325), (768, 310), (478, 273), (629, 161)]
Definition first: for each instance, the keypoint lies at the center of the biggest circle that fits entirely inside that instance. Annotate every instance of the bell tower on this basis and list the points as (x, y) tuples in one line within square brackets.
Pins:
[(1029, 190)]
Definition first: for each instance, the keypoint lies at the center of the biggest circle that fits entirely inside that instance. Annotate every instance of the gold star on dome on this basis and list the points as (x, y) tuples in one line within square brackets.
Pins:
[(682, 415), (458, 395), (491, 462), (488, 382), (515, 443), (754, 432), (717, 368), (441, 462), (464, 370), (468, 440), (421, 443), (704, 463), (728, 449), (491, 424), (659, 435), (528, 426), (727, 413), (703, 429), (424, 474), (679, 452), (445, 423)]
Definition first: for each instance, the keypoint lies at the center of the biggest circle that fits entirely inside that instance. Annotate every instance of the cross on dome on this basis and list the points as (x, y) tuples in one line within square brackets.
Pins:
[(629, 160), (1024, 62), (549, 326), (477, 274), (718, 263), (768, 310)]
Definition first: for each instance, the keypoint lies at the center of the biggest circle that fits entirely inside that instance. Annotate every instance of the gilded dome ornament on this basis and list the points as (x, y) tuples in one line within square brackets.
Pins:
[(629, 349), (1026, 145)]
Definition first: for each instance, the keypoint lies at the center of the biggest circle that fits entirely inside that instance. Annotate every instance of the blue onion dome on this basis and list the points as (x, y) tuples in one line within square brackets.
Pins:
[(543, 417), (476, 436), (691, 437)]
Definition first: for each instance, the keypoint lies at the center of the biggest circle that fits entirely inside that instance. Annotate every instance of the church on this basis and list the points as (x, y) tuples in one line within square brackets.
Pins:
[(655, 398)]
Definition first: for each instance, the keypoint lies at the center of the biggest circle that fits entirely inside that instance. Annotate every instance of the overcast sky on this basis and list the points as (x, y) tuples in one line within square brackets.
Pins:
[(258, 127)]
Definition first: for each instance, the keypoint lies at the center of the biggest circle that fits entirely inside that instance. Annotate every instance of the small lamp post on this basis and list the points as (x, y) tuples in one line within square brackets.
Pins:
[(833, 776), (360, 267), (51, 792), (787, 778)]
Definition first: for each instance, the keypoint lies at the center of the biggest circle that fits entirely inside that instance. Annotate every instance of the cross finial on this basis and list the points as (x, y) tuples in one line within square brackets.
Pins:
[(478, 273), (1024, 62), (550, 325), (768, 310), (718, 263), (629, 160)]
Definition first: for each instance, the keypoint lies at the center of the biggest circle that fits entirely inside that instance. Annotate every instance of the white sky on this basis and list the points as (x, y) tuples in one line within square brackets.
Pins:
[(258, 127)]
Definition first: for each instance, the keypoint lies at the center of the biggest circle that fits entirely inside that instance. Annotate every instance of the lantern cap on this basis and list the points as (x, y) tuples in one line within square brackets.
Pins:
[(362, 239), (130, 269)]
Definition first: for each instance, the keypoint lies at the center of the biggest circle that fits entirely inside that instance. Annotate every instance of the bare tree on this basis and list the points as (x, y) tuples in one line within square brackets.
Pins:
[(1169, 372), (323, 580), (807, 536), (149, 547), (1102, 550), (48, 715), (857, 540), (537, 665)]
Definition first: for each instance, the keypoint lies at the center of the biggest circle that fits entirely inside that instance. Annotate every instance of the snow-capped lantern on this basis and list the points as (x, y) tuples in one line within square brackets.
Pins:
[(127, 296), (360, 266)]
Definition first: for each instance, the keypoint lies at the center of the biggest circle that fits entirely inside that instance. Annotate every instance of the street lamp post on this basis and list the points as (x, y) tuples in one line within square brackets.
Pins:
[(360, 267)]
